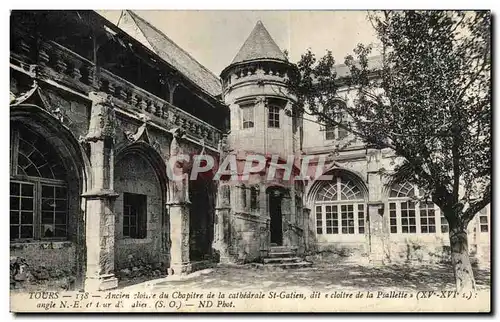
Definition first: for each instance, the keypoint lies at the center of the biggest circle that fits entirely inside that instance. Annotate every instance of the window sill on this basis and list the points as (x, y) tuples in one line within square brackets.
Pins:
[(42, 244), (129, 241)]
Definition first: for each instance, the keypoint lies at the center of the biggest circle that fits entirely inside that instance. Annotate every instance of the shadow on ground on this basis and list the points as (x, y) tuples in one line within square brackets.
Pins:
[(330, 276)]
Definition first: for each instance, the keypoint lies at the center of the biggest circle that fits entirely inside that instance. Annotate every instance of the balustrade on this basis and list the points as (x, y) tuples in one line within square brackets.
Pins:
[(80, 72)]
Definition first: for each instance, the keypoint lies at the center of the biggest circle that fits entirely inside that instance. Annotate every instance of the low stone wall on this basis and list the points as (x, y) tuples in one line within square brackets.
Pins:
[(343, 249), (404, 251), (134, 258), (42, 262), (245, 238)]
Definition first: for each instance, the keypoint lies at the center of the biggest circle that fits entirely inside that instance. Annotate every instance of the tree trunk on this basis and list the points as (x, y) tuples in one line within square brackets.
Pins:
[(464, 277)]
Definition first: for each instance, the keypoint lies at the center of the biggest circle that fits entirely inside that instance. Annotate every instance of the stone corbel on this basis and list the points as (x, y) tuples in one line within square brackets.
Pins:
[(261, 100), (142, 132), (102, 117), (177, 134), (179, 190)]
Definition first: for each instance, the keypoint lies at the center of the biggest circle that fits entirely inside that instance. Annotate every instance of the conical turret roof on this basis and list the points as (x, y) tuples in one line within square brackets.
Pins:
[(259, 45)]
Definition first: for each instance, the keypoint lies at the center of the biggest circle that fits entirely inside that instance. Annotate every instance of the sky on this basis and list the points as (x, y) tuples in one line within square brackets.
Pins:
[(215, 37)]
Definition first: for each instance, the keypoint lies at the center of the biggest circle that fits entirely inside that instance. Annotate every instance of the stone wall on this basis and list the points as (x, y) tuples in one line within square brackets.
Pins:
[(134, 174)]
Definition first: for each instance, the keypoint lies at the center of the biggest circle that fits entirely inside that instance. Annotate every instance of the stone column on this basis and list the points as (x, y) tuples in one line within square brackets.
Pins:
[(100, 197), (222, 227), (178, 209), (306, 213), (378, 234), (286, 213)]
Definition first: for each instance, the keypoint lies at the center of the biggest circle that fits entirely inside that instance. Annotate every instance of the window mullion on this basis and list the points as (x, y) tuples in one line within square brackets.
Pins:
[(15, 150), (323, 219), (37, 209), (355, 218), (417, 218), (398, 217)]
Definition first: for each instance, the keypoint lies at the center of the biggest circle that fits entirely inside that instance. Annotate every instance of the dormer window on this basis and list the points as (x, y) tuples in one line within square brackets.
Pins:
[(333, 132)]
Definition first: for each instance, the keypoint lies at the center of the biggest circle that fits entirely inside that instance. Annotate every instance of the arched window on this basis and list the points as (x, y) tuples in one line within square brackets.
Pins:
[(407, 215), (38, 188), (340, 208)]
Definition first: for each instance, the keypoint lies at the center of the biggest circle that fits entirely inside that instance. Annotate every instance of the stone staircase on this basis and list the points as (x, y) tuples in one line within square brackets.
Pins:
[(284, 257)]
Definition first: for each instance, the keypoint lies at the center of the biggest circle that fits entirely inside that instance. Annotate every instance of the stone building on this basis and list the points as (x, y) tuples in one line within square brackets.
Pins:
[(97, 110)]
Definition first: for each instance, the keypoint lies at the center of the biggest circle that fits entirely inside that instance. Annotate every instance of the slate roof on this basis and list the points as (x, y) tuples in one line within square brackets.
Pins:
[(374, 63), (259, 45), (170, 52)]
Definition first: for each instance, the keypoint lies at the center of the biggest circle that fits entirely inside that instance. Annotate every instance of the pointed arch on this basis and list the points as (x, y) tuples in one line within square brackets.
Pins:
[(153, 157), (71, 151), (76, 178)]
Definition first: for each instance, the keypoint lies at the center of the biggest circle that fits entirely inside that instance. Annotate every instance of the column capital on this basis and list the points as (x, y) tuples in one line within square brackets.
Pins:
[(178, 203), (100, 193)]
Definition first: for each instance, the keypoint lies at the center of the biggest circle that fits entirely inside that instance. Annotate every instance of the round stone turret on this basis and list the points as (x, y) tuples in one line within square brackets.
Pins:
[(255, 89)]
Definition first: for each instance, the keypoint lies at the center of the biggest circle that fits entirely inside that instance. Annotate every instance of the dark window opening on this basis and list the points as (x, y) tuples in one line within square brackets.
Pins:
[(254, 198), (134, 215)]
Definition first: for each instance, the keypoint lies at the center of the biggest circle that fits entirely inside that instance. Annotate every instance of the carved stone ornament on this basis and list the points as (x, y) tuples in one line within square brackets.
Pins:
[(16, 100), (102, 118), (224, 147), (141, 134), (261, 100), (178, 133)]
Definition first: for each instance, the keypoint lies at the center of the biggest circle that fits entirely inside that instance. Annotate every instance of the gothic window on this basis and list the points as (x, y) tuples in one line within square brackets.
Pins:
[(134, 215), (361, 218), (444, 224), (247, 116), (402, 191), (38, 188), (408, 215), (427, 218), (340, 207), (319, 220), (273, 116), (243, 192), (393, 223)]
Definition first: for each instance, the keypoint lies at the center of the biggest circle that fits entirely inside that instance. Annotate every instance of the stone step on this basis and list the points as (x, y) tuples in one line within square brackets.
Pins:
[(281, 260), (301, 264), (281, 254), (280, 249)]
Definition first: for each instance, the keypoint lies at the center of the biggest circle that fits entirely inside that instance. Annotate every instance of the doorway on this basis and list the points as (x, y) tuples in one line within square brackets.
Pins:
[(276, 228), (201, 220)]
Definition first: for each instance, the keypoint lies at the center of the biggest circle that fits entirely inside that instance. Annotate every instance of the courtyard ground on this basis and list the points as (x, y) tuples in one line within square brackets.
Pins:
[(329, 277), (326, 275)]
